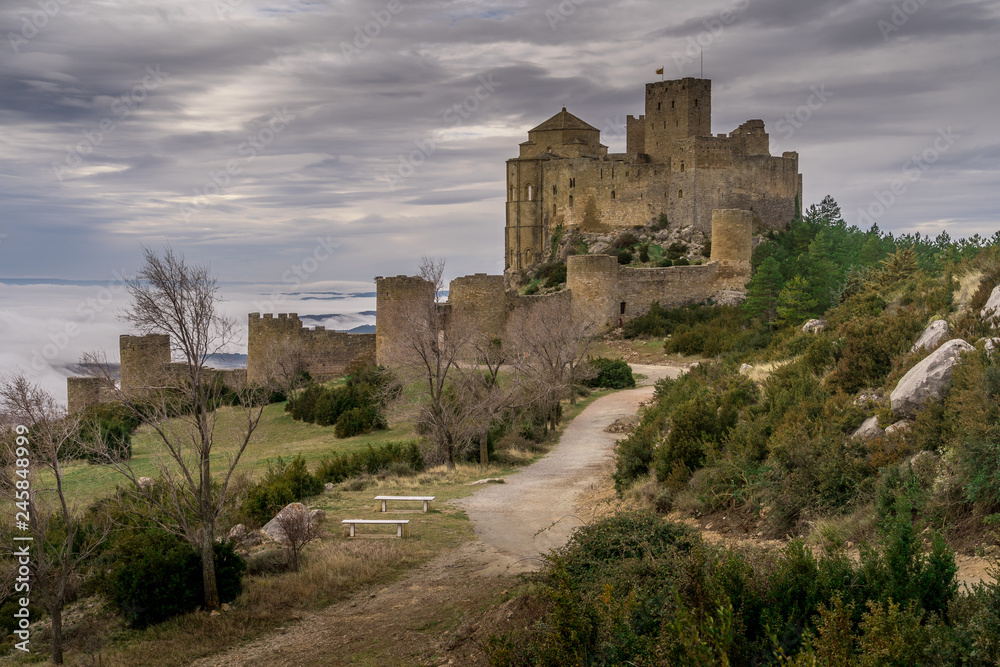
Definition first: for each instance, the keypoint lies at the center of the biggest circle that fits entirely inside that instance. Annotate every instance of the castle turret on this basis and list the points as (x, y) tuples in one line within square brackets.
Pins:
[(402, 304), (143, 362), (732, 247), (593, 281)]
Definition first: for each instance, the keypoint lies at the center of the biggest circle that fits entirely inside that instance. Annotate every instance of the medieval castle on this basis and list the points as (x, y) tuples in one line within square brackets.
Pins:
[(724, 187)]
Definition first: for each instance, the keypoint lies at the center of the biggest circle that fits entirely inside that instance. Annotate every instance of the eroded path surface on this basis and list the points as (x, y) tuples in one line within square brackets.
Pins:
[(436, 614)]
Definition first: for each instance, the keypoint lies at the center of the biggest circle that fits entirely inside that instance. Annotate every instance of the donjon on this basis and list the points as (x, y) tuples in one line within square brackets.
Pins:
[(564, 178)]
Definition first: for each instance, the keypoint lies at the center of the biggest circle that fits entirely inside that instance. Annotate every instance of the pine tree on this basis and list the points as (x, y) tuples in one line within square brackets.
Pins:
[(763, 291), (794, 302)]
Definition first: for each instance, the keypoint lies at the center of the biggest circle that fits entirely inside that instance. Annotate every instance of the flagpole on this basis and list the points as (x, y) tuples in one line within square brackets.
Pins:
[(703, 63)]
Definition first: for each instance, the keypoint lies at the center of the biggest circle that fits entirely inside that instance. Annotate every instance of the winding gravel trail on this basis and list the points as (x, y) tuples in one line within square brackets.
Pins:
[(401, 623), (532, 512)]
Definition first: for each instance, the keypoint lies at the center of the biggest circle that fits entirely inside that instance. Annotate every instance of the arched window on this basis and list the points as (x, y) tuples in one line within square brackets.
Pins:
[(680, 194), (613, 195), (553, 189), (658, 106), (529, 191), (553, 210), (571, 201), (672, 104), (696, 104), (512, 193), (682, 166)]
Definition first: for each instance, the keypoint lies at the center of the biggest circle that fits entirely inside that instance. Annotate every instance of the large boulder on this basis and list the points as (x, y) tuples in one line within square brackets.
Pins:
[(992, 307), (814, 326), (928, 381), (936, 333), (273, 529), (869, 430)]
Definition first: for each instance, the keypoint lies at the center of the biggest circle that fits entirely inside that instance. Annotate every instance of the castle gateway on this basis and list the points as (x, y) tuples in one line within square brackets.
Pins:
[(673, 165)]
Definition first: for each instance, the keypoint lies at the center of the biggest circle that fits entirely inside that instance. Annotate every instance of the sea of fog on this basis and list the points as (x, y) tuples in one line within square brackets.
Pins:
[(46, 325)]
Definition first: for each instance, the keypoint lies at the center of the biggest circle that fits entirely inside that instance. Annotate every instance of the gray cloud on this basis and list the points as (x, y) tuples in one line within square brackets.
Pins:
[(356, 118)]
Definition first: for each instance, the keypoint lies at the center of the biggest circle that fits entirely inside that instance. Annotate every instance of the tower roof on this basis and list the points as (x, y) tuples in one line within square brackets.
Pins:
[(564, 120)]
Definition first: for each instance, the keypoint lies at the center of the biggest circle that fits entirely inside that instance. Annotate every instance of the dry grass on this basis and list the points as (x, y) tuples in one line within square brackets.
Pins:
[(968, 284)]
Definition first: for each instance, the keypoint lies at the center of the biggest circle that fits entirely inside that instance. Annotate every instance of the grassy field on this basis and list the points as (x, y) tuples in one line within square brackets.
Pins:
[(333, 568), (277, 435)]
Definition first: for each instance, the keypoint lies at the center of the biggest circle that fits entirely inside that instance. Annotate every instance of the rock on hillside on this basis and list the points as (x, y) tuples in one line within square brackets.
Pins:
[(927, 381), (936, 333), (273, 529), (992, 307), (869, 430), (814, 326)]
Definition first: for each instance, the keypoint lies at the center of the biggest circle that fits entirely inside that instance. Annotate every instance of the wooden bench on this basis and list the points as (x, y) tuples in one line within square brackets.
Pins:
[(424, 499), (402, 526)]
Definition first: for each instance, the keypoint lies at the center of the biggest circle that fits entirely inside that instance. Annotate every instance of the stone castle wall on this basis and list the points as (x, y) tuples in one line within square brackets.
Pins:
[(143, 359), (83, 392), (325, 354), (673, 165), (401, 305)]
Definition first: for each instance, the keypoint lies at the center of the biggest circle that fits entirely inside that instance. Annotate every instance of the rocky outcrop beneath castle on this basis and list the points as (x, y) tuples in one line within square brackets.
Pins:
[(936, 333), (928, 381)]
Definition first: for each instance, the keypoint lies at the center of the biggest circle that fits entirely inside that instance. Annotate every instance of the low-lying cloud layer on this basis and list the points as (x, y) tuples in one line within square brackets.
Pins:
[(301, 140)]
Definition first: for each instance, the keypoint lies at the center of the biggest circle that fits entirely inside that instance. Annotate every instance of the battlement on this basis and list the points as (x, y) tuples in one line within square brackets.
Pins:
[(276, 341)]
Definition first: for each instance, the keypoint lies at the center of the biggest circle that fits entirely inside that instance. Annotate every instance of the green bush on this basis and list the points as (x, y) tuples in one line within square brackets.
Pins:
[(106, 430), (635, 589), (624, 256), (364, 393), (154, 575), (283, 483), (370, 461), (357, 421), (611, 374)]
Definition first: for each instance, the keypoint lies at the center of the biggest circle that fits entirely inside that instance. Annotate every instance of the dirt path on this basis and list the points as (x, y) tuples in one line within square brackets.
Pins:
[(534, 511), (440, 613)]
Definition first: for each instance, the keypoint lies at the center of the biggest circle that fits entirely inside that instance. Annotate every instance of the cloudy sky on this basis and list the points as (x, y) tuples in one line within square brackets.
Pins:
[(257, 134)]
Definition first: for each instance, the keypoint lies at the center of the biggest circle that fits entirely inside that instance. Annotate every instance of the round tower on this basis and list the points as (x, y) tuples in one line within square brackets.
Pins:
[(732, 246), (402, 304)]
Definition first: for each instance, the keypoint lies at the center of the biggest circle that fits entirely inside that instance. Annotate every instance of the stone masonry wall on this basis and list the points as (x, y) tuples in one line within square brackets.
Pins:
[(83, 392), (325, 354)]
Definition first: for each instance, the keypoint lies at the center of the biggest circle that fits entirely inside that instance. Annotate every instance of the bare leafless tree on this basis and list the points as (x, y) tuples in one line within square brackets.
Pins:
[(42, 437), (300, 528), (431, 352), (170, 296), (549, 347)]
